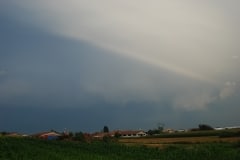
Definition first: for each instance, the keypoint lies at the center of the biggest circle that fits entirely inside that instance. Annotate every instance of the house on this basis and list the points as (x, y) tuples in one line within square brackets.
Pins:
[(169, 130), (52, 135), (99, 135), (233, 127), (130, 134), (223, 128), (123, 134), (13, 134), (219, 128), (181, 130)]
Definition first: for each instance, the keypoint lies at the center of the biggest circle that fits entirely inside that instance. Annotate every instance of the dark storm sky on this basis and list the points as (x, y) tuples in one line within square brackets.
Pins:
[(129, 65)]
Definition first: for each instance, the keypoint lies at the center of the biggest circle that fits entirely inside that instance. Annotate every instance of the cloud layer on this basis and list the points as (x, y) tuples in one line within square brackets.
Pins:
[(184, 55), (190, 38)]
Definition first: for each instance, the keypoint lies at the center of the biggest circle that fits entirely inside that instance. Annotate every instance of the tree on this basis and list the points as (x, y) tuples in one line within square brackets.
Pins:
[(160, 126), (205, 127), (70, 134), (153, 132), (117, 135), (105, 129), (79, 136), (4, 133)]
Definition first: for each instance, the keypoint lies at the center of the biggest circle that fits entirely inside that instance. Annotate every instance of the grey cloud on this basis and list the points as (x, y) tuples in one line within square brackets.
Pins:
[(229, 90), (180, 37), (193, 101), (106, 59), (235, 57), (201, 99), (3, 72), (11, 91)]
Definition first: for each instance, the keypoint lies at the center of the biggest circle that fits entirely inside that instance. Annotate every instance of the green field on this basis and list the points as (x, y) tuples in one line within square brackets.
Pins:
[(35, 149)]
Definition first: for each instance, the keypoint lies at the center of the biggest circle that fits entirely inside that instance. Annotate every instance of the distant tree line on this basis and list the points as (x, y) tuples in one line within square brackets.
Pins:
[(158, 130), (203, 127)]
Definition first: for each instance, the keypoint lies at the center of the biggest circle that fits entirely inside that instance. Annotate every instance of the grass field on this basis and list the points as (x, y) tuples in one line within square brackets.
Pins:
[(29, 149)]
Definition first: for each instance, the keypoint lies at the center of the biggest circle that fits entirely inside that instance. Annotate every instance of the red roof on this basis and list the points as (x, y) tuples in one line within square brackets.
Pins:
[(42, 134)]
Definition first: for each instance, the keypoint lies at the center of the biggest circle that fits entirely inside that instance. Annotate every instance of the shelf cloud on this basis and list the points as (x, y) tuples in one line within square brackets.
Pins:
[(189, 38), (175, 57)]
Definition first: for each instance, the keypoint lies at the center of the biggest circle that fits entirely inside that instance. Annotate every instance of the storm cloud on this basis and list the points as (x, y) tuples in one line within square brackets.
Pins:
[(173, 58)]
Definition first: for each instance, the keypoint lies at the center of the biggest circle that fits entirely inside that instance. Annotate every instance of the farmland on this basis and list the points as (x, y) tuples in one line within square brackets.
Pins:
[(29, 148), (186, 139), (161, 142)]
